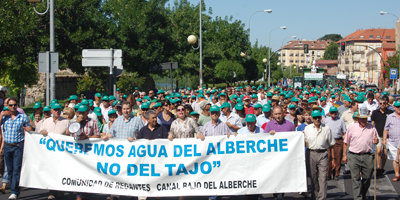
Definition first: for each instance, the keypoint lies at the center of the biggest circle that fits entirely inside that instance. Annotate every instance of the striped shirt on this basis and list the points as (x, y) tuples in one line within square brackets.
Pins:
[(234, 119), (393, 126), (13, 130), (89, 127), (209, 129)]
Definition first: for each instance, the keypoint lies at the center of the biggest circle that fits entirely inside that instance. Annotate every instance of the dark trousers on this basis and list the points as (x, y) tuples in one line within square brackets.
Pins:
[(338, 153), (13, 157), (360, 163)]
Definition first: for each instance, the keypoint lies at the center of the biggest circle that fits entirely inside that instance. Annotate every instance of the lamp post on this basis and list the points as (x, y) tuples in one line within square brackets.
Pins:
[(257, 11), (269, 54), (192, 40), (265, 60), (51, 76)]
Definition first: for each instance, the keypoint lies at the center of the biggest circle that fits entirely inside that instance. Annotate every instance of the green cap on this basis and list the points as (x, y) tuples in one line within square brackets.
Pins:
[(184, 97), (124, 96), (269, 94), (56, 106), (136, 88), (54, 101), (292, 106), (266, 108), (97, 111), (5, 108), (98, 95), (322, 99), (250, 118), (356, 114), (214, 108), (112, 111), (225, 105), (73, 97), (222, 94), (239, 106), (193, 113), (37, 105), (77, 106), (48, 109), (139, 99), (257, 106), (158, 104), (105, 98), (333, 109), (396, 104), (193, 96), (85, 102), (118, 89), (254, 96), (147, 98), (347, 99), (112, 98), (294, 99), (145, 106), (83, 108), (316, 113), (360, 99)]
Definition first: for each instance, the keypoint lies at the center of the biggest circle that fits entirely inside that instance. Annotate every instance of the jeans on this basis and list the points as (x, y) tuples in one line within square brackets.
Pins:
[(13, 159)]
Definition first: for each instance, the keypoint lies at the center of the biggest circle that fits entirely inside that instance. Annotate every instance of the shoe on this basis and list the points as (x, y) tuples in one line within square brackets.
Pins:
[(336, 178), (51, 197), (346, 172), (3, 190), (12, 196), (396, 178)]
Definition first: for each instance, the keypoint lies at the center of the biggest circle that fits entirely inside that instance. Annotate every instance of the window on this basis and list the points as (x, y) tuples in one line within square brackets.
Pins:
[(378, 36), (371, 36), (388, 37), (361, 36)]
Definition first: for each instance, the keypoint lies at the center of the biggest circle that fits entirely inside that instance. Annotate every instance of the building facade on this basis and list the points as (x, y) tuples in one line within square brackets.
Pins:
[(365, 52), (292, 54)]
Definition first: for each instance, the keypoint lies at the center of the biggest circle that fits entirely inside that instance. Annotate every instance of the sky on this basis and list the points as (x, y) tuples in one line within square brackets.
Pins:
[(305, 19)]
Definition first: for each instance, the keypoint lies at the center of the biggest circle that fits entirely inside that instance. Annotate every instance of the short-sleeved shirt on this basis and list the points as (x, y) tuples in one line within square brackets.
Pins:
[(158, 132), (320, 139), (360, 139), (337, 126), (245, 130), (301, 127), (393, 126), (347, 117), (58, 127), (220, 128), (203, 119), (104, 112), (13, 130), (379, 119), (284, 127), (233, 119), (261, 119), (123, 129)]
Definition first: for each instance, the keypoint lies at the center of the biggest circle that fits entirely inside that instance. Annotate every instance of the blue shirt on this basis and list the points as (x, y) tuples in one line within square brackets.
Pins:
[(301, 127), (13, 130)]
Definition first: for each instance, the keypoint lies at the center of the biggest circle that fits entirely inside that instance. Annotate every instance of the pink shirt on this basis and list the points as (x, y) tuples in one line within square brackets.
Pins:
[(58, 128), (360, 139)]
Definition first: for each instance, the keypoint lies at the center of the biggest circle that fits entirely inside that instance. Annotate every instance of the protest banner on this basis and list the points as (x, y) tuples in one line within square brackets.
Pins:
[(245, 164)]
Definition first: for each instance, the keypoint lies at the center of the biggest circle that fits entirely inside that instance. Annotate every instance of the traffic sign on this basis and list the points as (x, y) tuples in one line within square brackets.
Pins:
[(101, 53), (46, 59), (393, 73), (101, 62)]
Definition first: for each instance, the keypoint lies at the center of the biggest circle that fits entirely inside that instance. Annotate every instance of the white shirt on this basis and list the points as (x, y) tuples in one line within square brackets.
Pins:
[(245, 130), (370, 107), (261, 120), (318, 139), (233, 119)]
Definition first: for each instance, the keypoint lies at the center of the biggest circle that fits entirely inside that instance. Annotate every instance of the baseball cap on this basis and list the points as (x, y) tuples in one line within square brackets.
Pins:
[(37, 105), (225, 105), (105, 98), (266, 108), (56, 106), (257, 106), (46, 108), (214, 108), (250, 118), (316, 113), (82, 108), (333, 109), (292, 106), (112, 111), (239, 106), (144, 106), (97, 111)]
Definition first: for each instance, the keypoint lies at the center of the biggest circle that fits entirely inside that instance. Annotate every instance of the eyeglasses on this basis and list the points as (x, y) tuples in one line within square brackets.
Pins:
[(12, 105), (178, 110), (317, 118), (382, 103)]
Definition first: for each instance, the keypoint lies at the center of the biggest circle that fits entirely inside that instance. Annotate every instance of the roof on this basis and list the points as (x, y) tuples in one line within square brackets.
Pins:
[(373, 35), (326, 62), (312, 44)]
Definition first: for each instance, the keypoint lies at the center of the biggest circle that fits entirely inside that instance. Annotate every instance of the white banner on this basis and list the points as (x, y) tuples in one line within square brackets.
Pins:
[(313, 76), (246, 164)]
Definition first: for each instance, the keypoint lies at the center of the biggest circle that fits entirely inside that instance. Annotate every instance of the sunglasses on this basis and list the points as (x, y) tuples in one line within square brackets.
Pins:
[(317, 117), (180, 110), (12, 105)]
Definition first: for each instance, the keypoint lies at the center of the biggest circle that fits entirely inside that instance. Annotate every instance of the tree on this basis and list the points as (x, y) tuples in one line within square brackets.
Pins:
[(334, 37), (331, 51), (228, 70), (129, 80)]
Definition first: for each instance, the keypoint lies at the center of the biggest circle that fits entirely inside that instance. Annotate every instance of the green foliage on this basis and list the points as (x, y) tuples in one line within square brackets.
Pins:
[(331, 51), (334, 37), (228, 70), (392, 63), (129, 80), (88, 81)]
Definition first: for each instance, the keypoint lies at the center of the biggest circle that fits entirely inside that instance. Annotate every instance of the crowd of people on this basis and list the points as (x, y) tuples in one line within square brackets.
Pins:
[(340, 125)]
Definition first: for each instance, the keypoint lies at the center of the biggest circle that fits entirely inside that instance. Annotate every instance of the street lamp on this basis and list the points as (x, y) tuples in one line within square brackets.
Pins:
[(265, 60), (257, 11), (192, 40), (52, 77), (269, 54)]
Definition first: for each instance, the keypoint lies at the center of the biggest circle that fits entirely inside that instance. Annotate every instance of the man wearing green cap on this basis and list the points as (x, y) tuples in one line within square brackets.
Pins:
[(232, 120), (124, 126), (250, 127), (338, 128), (105, 107), (215, 127), (318, 138), (370, 104), (359, 140), (72, 101), (37, 106), (264, 117), (56, 124), (89, 127)]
